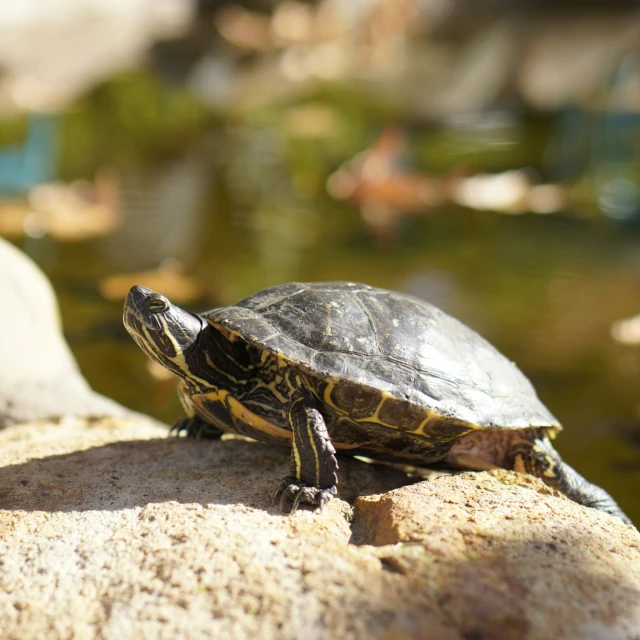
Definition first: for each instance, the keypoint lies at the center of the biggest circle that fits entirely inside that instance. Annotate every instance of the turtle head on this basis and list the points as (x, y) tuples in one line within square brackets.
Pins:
[(166, 333)]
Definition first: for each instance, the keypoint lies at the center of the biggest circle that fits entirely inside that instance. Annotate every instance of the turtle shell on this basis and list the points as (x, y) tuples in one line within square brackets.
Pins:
[(387, 342)]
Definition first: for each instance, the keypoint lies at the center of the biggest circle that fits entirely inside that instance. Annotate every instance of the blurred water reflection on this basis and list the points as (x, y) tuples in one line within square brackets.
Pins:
[(383, 144)]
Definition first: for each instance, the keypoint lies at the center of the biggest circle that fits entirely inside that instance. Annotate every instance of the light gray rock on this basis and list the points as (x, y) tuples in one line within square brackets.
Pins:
[(39, 377), (117, 532)]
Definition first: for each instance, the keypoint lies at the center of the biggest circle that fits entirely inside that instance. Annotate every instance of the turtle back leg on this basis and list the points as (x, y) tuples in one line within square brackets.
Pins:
[(312, 479), (543, 461)]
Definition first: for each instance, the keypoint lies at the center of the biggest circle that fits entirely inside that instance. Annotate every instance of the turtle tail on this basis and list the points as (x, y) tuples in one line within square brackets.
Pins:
[(544, 462)]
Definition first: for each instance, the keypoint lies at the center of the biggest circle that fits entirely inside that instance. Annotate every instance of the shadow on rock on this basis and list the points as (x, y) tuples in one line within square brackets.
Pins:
[(132, 473), (522, 589)]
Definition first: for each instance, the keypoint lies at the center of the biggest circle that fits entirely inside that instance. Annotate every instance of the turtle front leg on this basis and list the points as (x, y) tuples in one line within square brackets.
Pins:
[(544, 462), (193, 424), (313, 478)]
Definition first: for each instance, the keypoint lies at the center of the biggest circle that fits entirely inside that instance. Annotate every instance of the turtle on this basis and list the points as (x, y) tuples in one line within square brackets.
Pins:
[(327, 367)]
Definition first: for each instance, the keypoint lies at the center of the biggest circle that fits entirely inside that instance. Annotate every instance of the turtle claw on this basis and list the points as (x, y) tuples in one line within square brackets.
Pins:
[(195, 428), (296, 502), (180, 425), (294, 492)]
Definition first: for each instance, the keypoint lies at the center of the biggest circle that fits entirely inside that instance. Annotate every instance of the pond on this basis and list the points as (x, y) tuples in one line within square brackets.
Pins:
[(218, 208)]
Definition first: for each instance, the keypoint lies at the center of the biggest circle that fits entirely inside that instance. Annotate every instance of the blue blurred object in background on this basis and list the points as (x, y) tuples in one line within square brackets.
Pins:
[(35, 160)]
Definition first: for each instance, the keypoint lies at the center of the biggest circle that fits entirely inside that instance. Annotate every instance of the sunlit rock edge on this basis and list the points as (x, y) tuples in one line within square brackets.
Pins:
[(114, 530)]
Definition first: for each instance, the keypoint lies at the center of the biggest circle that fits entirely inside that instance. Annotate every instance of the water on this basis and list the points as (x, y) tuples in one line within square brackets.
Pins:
[(244, 206)]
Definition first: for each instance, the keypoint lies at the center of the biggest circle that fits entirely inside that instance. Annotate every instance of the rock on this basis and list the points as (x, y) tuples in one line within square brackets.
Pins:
[(116, 531), (508, 557), (39, 377)]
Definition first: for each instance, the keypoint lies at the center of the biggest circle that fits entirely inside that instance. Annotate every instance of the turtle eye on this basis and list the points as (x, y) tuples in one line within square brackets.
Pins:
[(158, 305)]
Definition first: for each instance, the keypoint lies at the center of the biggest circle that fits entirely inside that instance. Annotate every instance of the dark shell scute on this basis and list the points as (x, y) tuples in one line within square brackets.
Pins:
[(400, 413), (357, 401)]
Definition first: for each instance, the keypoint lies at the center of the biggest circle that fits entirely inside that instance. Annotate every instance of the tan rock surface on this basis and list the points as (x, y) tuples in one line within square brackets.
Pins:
[(508, 557), (111, 530)]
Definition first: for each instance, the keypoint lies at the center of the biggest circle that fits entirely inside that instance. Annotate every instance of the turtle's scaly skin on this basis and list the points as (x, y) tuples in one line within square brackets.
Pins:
[(326, 366)]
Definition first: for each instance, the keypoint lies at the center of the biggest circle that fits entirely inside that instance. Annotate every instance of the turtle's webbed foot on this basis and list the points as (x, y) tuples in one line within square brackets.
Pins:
[(291, 493), (196, 428), (544, 462)]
